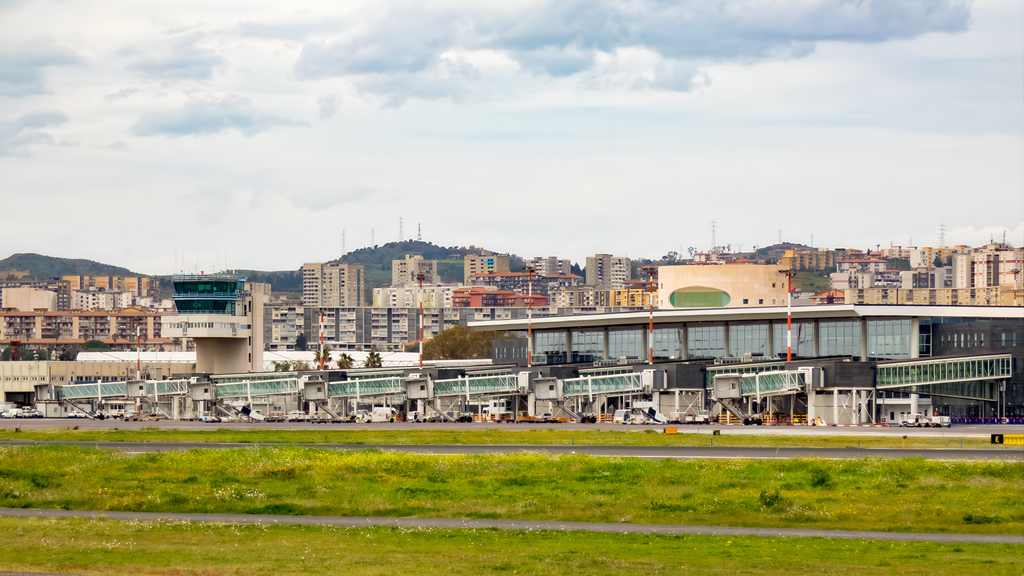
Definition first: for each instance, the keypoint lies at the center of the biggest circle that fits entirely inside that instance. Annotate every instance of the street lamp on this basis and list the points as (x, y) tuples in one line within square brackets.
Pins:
[(529, 316), (651, 271)]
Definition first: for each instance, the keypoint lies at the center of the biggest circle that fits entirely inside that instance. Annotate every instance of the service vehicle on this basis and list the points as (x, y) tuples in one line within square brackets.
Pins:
[(912, 421), (298, 416), (32, 413), (13, 413), (383, 414), (940, 421), (621, 416)]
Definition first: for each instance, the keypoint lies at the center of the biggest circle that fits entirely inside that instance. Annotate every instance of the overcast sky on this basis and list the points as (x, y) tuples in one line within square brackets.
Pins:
[(254, 132)]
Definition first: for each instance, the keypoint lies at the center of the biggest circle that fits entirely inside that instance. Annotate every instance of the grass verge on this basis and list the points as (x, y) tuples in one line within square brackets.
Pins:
[(134, 547), (509, 435), (985, 497)]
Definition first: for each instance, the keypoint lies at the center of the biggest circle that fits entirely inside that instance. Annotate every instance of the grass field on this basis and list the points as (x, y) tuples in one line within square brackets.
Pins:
[(503, 434), (133, 547), (866, 494)]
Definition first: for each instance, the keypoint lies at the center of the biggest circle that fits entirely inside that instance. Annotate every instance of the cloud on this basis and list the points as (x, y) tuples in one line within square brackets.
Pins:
[(210, 115), (120, 146), (182, 58), (122, 93), (28, 130), (21, 68), (383, 46), (328, 105)]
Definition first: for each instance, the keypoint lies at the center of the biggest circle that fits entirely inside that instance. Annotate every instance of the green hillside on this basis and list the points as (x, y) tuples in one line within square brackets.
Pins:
[(50, 267)]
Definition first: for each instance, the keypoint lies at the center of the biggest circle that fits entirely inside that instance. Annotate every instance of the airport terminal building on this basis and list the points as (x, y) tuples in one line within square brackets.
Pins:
[(957, 361)]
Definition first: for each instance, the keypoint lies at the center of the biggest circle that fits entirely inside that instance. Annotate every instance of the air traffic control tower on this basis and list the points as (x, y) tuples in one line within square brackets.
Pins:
[(223, 315)]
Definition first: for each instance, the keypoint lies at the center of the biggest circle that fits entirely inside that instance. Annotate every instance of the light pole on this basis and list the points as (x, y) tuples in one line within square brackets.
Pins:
[(789, 313), (529, 316), (651, 271), (419, 297)]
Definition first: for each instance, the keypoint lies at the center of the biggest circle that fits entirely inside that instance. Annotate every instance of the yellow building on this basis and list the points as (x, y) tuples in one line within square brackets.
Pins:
[(721, 286), (631, 297)]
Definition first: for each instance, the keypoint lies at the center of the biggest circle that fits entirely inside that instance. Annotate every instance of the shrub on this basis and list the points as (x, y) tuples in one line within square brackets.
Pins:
[(771, 500), (972, 518)]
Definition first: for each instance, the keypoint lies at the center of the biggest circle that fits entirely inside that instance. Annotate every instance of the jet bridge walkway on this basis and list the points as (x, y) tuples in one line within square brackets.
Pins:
[(970, 377)]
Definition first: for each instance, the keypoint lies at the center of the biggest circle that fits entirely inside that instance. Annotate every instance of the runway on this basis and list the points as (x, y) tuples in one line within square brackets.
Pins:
[(651, 452), (459, 523)]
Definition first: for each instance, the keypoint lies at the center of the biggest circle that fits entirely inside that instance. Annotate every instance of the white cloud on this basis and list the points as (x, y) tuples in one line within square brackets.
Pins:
[(210, 115), (17, 135)]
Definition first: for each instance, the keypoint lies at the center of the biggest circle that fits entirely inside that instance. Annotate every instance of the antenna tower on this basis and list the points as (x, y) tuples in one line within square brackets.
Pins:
[(942, 234), (419, 232), (401, 235), (714, 229)]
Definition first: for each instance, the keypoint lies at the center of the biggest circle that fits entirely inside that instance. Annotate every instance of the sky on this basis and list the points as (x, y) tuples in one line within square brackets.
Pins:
[(199, 135)]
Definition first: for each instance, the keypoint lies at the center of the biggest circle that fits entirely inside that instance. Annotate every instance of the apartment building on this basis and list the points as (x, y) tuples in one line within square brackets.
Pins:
[(117, 329), (27, 299), (579, 297), (100, 300), (550, 265), (990, 296), (410, 296), (407, 271), (522, 283), (61, 290), (816, 259), (926, 256), (995, 264), (488, 263), (632, 297), (332, 284), (282, 323), (607, 272), (392, 329), (137, 285)]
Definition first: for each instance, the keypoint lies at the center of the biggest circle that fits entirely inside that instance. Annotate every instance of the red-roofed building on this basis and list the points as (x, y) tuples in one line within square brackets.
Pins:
[(519, 282), (480, 297)]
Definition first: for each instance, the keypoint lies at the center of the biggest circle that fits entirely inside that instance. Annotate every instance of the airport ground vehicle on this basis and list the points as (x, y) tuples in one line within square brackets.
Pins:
[(12, 413), (298, 416), (913, 421), (621, 416)]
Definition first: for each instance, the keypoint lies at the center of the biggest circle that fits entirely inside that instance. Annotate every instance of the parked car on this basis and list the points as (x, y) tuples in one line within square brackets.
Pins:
[(31, 413), (12, 413)]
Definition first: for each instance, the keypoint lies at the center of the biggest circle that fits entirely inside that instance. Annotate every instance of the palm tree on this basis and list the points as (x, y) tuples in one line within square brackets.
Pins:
[(322, 357), (345, 361), (373, 360), (177, 343)]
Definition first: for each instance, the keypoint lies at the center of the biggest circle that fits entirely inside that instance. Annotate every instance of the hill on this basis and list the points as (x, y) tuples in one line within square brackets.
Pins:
[(50, 267)]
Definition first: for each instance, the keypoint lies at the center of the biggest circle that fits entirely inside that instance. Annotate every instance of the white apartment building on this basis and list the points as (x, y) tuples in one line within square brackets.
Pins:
[(411, 296), (995, 264), (406, 272), (332, 284), (607, 272), (550, 266), (28, 299), (100, 300)]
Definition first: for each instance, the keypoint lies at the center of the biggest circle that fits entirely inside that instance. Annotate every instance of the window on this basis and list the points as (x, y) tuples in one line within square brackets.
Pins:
[(745, 301)]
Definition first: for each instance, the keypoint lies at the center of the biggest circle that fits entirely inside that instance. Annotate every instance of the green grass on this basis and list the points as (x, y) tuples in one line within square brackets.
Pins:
[(865, 494), (134, 547), (500, 434), (815, 282)]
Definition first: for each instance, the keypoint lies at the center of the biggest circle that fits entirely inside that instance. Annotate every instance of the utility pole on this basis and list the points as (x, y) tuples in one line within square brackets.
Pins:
[(651, 271), (789, 313), (321, 351), (529, 317), (420, 276)]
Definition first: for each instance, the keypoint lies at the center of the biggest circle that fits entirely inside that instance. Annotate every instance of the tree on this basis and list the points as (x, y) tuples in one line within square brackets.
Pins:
[(301, 365), (373, 360), (322, 357), (70, 353), (937, 262), (458, 343), (282, 366), (300, 341), (177, 343), (91, 345), (345, 361)]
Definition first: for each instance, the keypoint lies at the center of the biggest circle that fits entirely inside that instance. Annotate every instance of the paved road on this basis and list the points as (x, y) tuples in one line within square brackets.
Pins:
[(653, 452), (363, 521), (738, 429)]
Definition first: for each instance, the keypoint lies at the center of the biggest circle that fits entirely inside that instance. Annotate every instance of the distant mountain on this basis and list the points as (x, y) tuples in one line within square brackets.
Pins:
[(50, 267)]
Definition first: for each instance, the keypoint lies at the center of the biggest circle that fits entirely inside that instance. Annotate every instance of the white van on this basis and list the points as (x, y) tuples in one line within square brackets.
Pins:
[(622, 416)]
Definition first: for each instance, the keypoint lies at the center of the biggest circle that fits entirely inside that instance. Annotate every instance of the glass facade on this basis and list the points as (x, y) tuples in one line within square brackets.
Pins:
[(839, 338), (752, 338), (628, 343), (668, 343), (705, 341), (803, 339), (588, 344), (888, 339), (550, 343)]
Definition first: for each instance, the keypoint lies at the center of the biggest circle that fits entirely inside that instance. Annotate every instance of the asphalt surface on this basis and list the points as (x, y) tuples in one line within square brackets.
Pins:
[(652, 452), (457, 523), (974, 431)]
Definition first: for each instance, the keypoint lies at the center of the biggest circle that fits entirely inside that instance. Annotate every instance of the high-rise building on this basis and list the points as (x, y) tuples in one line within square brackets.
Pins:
[(996, 264), (332, 284), (484, 264), (406, 272), (607, 272), (551, 265)]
